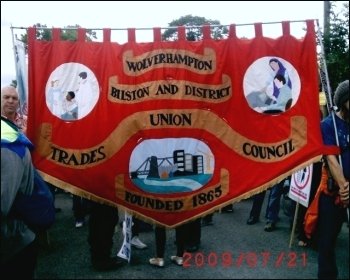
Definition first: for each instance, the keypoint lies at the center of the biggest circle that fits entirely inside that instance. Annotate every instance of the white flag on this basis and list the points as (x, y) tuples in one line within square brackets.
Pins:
[(21, 75)]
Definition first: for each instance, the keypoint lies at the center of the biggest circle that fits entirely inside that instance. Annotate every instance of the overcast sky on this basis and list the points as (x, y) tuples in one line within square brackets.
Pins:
[(136, 14)]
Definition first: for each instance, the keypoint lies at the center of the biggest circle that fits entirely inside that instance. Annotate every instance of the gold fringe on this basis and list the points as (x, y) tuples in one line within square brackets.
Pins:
[(74, 190)]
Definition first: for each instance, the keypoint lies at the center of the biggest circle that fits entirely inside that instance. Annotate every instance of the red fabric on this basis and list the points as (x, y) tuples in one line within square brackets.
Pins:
[(94, 155)]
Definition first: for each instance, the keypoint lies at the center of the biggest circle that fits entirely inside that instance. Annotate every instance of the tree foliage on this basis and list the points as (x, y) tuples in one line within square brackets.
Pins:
[(194, 30), (336, 45), (68, 33)]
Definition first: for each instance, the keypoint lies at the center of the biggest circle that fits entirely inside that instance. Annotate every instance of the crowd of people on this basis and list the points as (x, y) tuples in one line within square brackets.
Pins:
[(18, 240)]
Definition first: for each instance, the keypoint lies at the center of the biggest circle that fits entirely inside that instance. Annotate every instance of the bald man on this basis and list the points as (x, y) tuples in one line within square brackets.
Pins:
[(10, 105)]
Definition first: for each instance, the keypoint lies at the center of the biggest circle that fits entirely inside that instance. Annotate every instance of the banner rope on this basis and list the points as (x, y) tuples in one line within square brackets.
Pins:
[(169, 27)]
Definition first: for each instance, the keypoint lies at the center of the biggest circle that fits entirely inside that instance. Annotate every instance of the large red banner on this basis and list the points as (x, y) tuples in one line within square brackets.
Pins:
[(171, 131)]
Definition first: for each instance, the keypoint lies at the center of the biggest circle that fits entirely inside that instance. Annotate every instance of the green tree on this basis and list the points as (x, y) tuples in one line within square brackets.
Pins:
[(194, 30), (68, 33), (336, 44)]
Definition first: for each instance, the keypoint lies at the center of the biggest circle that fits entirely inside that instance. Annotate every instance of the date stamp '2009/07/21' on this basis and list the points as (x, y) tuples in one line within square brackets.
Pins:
[(249, 259)]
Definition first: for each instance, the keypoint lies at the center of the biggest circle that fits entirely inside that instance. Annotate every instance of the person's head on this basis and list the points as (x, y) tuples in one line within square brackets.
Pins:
[(341, 99), (9, 102), (277, 66), (279, 80), (83, 75), (274, 64), (70, 95)]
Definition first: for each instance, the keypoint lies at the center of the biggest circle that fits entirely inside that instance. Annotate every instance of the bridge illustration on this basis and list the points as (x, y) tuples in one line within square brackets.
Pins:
[(180, 164)]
